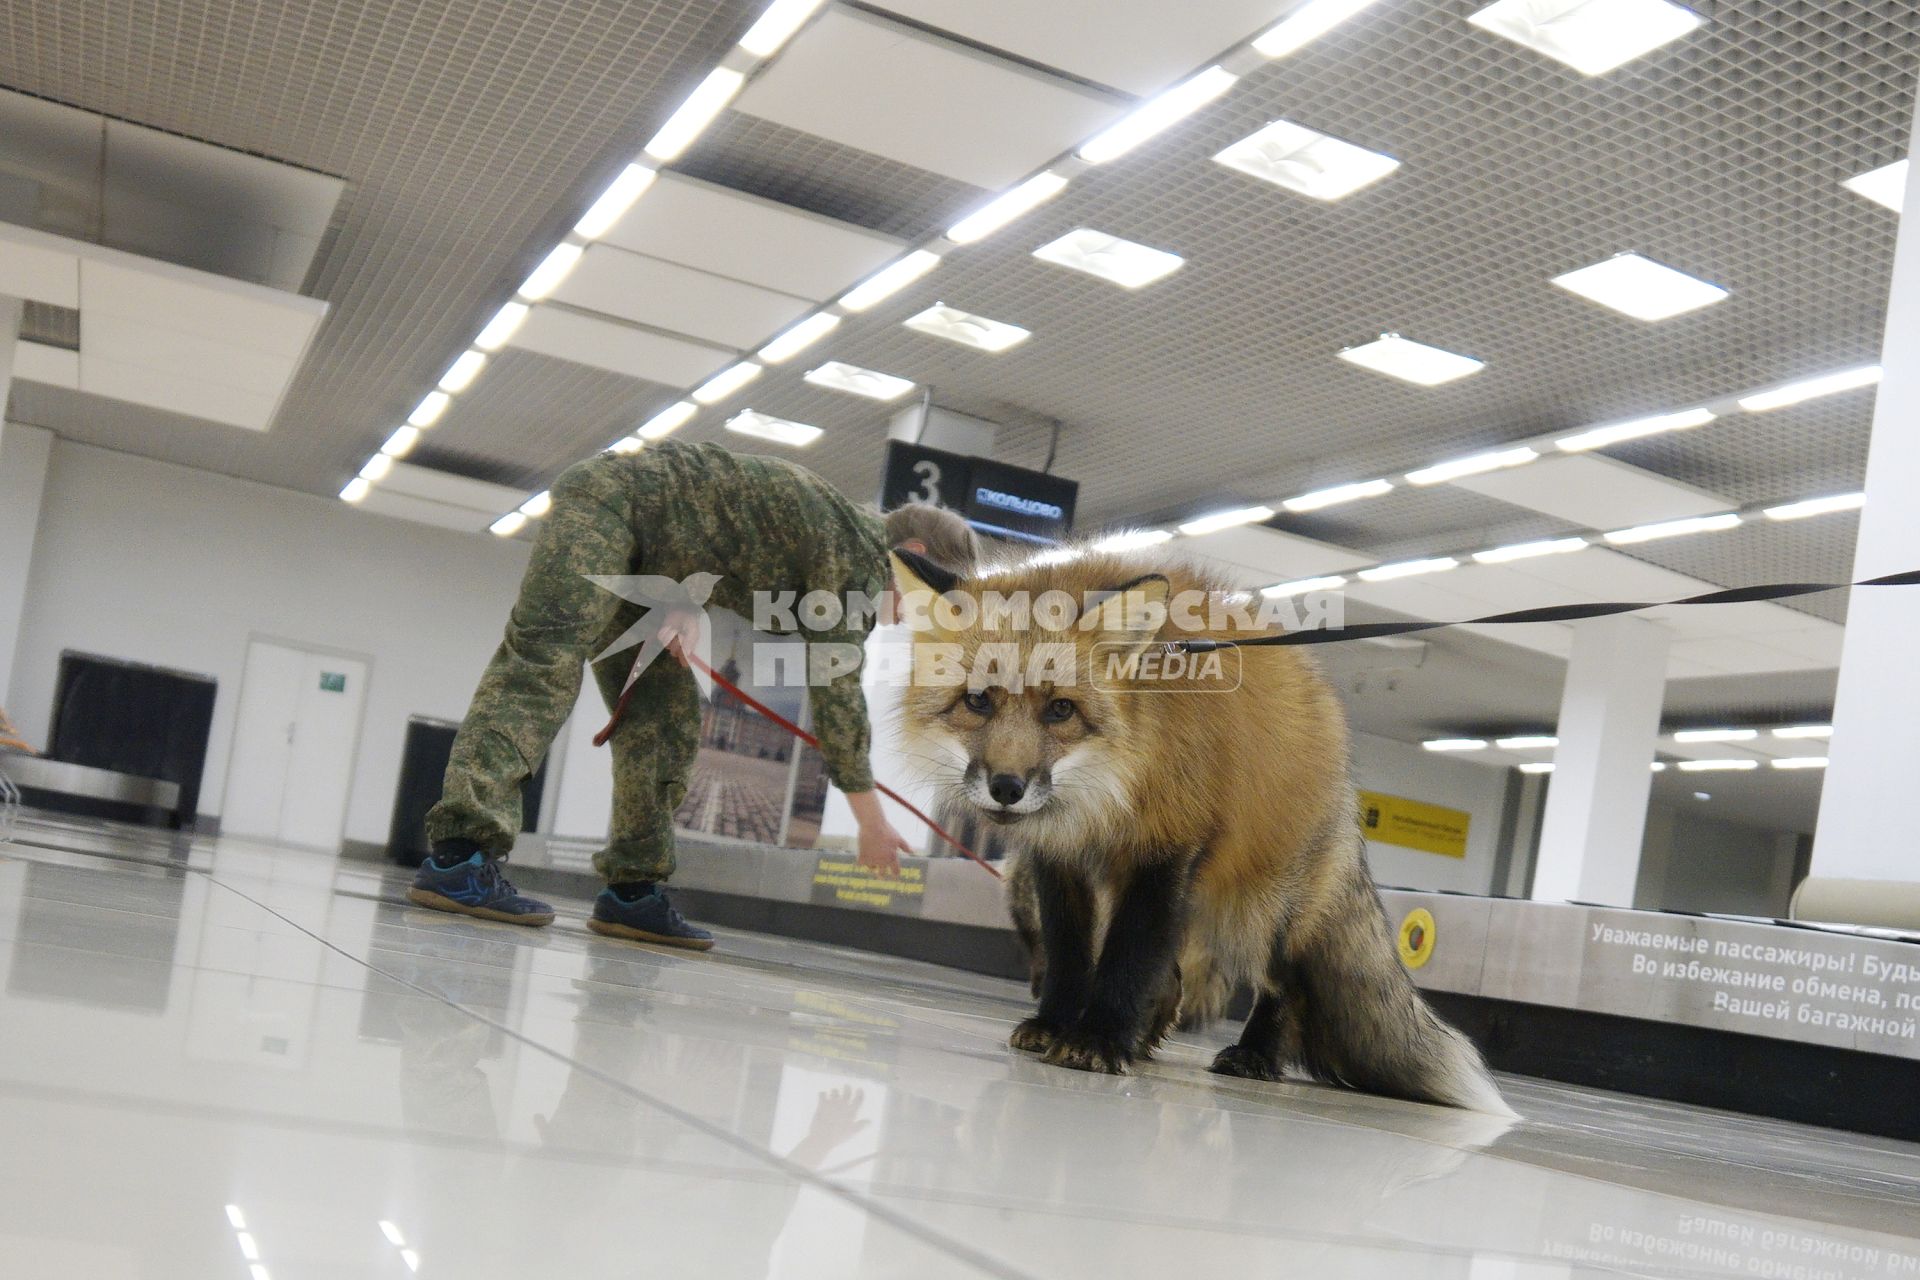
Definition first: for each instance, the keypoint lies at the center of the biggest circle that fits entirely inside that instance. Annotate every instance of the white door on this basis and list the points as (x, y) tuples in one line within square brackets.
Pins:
[(293, 745)]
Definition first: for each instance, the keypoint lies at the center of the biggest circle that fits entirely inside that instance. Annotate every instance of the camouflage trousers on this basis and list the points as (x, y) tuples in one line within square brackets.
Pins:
[(529, 688)]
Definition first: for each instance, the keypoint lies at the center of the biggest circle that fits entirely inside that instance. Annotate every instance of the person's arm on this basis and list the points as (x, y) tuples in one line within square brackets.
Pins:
[(840, 722)]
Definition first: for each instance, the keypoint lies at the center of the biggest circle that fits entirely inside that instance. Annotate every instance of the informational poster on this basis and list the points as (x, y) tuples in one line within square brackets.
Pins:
[(1414, 824), (743, 777)]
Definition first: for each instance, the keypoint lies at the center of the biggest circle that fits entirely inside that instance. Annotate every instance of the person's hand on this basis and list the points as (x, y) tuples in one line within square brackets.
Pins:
[(680, 634), (881, 847)]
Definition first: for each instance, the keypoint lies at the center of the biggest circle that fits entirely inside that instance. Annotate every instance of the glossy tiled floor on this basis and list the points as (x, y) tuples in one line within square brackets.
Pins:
[(214, 1050)]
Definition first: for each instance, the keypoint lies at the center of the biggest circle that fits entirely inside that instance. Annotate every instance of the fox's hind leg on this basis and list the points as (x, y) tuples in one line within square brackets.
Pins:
[(1136, 984), (1268, 1044), (1058, 901)]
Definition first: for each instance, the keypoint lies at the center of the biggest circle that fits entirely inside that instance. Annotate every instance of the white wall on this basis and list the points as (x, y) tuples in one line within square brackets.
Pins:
[(24, 453), (155, 563), (1406, 769)]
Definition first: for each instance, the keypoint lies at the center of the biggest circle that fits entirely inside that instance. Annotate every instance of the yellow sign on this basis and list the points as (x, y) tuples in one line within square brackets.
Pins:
[(1418, 934), (839, 880), (1414, 825)]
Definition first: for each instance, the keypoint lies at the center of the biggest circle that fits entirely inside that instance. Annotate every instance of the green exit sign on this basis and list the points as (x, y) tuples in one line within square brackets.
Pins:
[(333, 682)]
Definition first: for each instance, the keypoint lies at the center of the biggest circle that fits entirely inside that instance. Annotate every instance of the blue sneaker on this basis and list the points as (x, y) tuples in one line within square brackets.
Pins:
[(476, 888), (650, 918)]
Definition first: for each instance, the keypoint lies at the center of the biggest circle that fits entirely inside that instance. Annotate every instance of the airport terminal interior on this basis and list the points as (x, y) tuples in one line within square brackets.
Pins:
[(1523, 388)]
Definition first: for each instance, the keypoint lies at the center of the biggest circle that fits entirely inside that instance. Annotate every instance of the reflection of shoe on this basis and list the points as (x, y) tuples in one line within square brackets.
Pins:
[(476, 888), (648, 918)]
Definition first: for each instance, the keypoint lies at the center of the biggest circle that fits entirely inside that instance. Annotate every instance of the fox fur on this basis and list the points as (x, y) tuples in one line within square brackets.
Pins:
[(1175, 838)]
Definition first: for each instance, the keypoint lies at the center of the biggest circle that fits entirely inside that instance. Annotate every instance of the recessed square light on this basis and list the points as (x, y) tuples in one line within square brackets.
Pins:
[(1591, 36), (1123, 262), (1298, 158), (840, 376), (1411, 361), (1886, 185), (1640, 287), (761, 426), (978, 332)]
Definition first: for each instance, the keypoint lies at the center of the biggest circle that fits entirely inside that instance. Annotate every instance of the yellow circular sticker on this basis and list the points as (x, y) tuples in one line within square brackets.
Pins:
[(1417, 935)]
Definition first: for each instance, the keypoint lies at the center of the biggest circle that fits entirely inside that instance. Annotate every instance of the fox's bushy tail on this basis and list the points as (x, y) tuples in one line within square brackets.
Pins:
[(1362, 1022)]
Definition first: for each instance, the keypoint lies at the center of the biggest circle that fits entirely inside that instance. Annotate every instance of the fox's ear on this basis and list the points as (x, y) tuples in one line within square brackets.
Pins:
[(1130, 614), (914, 572)]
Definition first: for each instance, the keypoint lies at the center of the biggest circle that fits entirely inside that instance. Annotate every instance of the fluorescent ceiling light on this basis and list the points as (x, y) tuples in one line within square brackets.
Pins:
[(357, 488), (761, 426), (627, 445), (1537, 766), (614, 202), (505, 323), (551, 272), (1800, 762), (889, 280), (1804, 731), (780, 20), (1640, 287), (668, 420), (726, 382), (376, 468), (1305, 25), (1527, 742), (461, 373), (1672, 528), (696, 113), (1337, 494), (1133, 539), (1410, 361), (1225, 520), (1408, 569), (1614, 433), (538, 505), (978, 332), (1007, 206), (1478, 464), (800, 337), (1659, 766), (1300, 587), (508, 525), (1300, 159), (1122, 262), (1158, 114), (401, 442), (1455, 744), (1591, 36), (1817, 506), (840, 376), (1531, 550), (1812, 388), (1717, 766), (1716, 735), (428, 411), (1886, 185)]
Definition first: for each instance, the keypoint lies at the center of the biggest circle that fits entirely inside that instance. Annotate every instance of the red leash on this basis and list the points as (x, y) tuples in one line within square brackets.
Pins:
[(620, 709)]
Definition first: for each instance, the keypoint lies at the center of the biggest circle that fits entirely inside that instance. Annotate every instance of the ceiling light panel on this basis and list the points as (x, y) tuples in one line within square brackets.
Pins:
[(1133, 540), (1007, 207), (761, 426), (1827, 384), (1122, 262), (1716, 735), (1673, 529), (1455, 744), (1158, 114), (967, 329), (1591, 36), (1800, 762), (1225, 520), (776, 26), (614, 202), (1305, 25), (1408, 569), (1804, 731), (1300, 159), (1640, 287), (1477, 464), (726, 382), (505, 323), (1718, 766), (428, 411), (889, 280), (461, 373), (800, 337), (1531, 550), (1527, 742), (1615, 433), (668, 420), (696, 113), (837, 375), (1337, 494), (1886, 185), (1301, 586), (1817, 506), (551, 273), (1411, 361)]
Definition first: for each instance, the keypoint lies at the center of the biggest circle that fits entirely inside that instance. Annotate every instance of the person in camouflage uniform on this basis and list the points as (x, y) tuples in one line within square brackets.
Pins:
[(697, 515)]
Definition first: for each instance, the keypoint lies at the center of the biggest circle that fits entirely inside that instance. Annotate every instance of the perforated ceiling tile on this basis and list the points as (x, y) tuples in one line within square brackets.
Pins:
[(900, 93)]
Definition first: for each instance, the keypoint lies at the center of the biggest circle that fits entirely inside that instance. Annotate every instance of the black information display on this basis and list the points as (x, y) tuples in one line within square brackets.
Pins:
[(994, 497)]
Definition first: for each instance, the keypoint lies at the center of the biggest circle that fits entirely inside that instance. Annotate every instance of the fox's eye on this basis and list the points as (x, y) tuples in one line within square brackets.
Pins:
[(977, 702), (1059, 710)]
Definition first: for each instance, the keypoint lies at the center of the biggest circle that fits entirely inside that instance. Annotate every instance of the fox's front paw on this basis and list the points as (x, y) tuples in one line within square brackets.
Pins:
[(1246, 1064), (1086, 1050), (1033, 1036)]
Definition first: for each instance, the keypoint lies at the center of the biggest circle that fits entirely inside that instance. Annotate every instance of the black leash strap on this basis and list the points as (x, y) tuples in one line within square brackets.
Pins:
[(1552, 613)]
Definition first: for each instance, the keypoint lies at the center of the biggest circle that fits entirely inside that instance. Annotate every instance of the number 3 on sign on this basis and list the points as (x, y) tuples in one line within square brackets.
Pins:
[(929, 473)]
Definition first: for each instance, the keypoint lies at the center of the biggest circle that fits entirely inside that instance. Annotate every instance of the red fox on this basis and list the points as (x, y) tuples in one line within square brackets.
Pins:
[(1178, 831)]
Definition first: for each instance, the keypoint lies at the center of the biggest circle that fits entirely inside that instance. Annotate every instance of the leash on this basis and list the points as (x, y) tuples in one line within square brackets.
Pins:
[(1551, 613), (620, 710)]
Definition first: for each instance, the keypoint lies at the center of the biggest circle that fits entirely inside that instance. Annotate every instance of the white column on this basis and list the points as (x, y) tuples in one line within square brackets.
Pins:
[(1602, 769), (23, 469), (1876, 713)]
